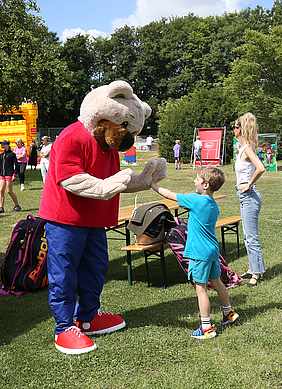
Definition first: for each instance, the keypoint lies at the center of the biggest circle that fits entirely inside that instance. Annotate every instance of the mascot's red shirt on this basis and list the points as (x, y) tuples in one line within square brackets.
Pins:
[(75, 151)]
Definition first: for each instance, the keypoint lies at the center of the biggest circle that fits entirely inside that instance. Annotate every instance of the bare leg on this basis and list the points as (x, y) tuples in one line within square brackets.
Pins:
[(203, 300), (12, 193), (2, 193), (221, 291)]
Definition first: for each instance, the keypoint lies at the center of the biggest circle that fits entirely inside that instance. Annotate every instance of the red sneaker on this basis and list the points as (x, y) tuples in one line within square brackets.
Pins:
[(102, 323), (73, 341)]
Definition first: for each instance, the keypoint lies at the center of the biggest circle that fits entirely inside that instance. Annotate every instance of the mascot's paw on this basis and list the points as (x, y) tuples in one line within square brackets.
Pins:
[(154, 171), (118, 182), (160, 171)]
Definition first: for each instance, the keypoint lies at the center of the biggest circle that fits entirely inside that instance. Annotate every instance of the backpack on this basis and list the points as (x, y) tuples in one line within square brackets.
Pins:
[(176, 239), (24, 267), (150, 223)]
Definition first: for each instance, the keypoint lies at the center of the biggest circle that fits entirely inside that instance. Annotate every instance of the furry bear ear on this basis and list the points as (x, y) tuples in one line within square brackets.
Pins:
[(147, 109), (120, 89)]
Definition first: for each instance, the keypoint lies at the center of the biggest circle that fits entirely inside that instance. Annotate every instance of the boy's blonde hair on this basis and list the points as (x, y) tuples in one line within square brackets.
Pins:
[(214, 177), (249, 128)]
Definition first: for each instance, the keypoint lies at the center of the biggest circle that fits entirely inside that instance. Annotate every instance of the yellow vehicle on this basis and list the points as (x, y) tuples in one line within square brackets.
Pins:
[(19, 123)]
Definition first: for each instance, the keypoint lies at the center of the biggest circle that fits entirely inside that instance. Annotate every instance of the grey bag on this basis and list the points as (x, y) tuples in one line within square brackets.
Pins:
[(150, 222)]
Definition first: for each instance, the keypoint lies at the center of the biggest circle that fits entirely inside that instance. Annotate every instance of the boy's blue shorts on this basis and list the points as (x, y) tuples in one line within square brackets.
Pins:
[(200, 271)]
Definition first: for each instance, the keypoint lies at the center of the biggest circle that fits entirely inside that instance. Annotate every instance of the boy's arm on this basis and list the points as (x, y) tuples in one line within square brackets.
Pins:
[(164, 192)]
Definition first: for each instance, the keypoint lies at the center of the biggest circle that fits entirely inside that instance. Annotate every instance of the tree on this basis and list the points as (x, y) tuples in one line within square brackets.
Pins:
[(30, 64), (78, 54), (205, 107), (255, 81)]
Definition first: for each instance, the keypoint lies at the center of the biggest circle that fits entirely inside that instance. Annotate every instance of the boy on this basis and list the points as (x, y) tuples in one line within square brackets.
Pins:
[(176, 153), (202, 247)]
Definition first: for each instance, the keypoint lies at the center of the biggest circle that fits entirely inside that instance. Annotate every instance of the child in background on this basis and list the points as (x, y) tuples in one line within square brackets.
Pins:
[(197, 146), (176, 153), (202, 247)]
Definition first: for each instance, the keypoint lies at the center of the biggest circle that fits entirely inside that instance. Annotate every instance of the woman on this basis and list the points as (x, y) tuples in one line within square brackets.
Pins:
[(20, 152), (44, 154), (8, 163), (248, 170), (32, 161)]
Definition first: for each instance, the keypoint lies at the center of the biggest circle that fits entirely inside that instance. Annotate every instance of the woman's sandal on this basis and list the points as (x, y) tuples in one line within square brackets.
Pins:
[(254, 280), (246, 275)]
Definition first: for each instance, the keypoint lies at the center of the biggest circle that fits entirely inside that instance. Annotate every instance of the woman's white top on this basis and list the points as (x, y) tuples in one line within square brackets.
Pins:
[(244, 169), (46, 151)]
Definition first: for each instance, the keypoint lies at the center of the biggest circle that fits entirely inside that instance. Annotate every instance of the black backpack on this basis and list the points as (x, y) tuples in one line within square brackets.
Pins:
[(24, 267)]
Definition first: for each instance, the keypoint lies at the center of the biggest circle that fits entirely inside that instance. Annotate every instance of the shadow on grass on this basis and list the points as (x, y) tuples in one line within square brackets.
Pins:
[(174, 313), (29, 209), (273, 271), (231, 251), (33, 175), (21, 314), (36, 188), (175, 275), (247, 314)]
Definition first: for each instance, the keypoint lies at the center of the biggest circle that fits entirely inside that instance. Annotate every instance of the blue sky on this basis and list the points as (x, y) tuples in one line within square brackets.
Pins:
[(68, 17)]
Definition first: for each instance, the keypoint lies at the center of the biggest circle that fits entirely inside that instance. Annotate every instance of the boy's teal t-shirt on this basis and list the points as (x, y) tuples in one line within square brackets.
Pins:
[(201, 243)]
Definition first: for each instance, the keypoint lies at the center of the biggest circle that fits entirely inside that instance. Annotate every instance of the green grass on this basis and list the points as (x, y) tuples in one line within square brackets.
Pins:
[(155, 351)]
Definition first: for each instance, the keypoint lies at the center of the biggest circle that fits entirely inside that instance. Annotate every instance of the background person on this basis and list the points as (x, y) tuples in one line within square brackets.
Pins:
[(8, 163), (176, 153), (202, 247), (44, 157), (197, 150), (248, 170), (149, 142), (20, 152), (32, 160)]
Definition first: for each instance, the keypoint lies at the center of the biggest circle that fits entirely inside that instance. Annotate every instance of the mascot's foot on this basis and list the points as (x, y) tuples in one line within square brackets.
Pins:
[(102, 323), (73, 341)]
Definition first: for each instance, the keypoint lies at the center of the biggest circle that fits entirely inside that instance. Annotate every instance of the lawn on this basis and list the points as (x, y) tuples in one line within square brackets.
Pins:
[(155, 350)]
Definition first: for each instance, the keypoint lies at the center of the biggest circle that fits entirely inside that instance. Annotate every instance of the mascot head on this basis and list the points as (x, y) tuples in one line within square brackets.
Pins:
[(114, 115)]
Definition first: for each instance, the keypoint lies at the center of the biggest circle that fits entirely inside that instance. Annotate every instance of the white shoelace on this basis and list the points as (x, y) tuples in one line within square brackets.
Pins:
[(75, 330)]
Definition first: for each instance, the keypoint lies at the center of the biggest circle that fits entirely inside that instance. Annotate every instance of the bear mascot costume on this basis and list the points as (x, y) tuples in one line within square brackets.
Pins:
[(81, 198)]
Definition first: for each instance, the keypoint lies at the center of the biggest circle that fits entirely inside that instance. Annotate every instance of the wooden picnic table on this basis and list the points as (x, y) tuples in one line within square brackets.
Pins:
[(124, 217)]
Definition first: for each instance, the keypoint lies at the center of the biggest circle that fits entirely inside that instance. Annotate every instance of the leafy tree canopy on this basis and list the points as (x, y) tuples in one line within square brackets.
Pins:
[(255, 81), (30, 63)]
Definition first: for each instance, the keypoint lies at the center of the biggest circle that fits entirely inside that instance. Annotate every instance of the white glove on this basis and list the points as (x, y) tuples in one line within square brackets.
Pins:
[(154, 171), (85, 185)]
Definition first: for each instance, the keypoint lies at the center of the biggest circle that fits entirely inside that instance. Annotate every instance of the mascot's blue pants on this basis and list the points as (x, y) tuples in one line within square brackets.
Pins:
[(77, 265)]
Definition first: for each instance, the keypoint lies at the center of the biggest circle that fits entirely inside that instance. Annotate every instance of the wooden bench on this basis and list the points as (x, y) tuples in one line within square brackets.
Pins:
[(124, 216), (154, 249), (229, 225)]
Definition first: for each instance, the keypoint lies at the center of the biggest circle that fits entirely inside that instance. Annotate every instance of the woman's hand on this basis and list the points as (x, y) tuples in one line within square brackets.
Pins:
[(244, 187)]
